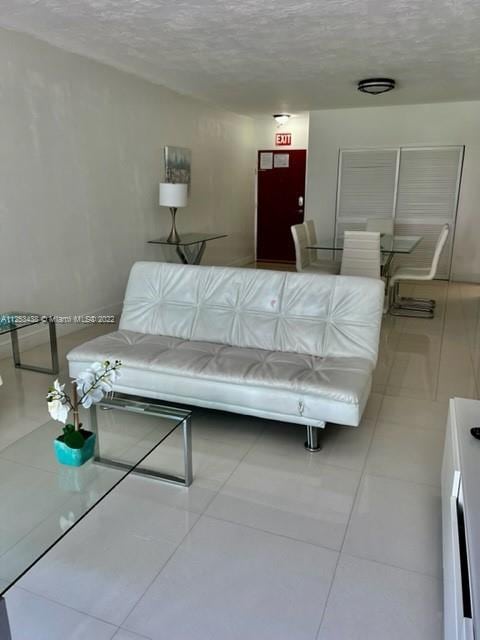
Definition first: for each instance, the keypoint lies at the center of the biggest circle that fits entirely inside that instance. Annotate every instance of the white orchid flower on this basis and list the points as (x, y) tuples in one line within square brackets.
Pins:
[(95, 382), (92, 384), (92, 396), (58, 405)]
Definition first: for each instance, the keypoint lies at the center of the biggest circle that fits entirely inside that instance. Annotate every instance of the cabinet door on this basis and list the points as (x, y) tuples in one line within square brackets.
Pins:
[(457, 607), (450, 485)]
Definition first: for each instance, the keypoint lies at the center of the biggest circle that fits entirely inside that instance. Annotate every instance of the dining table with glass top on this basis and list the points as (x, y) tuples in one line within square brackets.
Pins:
[(389, 246)]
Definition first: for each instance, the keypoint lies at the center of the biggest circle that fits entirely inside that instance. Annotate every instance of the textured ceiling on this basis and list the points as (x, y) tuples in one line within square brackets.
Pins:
[(254, 56)]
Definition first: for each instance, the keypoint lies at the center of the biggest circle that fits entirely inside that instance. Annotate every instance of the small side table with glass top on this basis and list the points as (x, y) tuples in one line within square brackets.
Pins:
[(191, 246), (13, 321)]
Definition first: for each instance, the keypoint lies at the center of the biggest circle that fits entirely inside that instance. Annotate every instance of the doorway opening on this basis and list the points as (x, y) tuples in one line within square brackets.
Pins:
[(280, 202)]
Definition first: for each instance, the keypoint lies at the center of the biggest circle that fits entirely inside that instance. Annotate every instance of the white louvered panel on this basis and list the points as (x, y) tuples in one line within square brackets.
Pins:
[(366, 187), (428, 184), (423, 254)]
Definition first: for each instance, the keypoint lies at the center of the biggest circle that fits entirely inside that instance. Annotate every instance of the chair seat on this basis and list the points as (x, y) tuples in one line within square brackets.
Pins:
[(411, 273)]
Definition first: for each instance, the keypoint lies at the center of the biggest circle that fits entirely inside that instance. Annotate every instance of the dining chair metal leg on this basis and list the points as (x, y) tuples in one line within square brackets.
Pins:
[(411, 313), (409, 307)]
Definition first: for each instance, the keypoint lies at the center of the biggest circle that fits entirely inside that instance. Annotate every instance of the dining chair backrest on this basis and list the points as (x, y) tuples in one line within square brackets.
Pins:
[(361, 254), (441, 240), (382, 225), (300, 240), (311, 232)]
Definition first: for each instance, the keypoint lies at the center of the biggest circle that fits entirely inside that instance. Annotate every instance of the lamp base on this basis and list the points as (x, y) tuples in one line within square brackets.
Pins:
[(173, 238)]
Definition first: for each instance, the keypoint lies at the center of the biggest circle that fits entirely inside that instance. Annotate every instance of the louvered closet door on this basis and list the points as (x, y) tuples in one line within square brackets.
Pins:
[(427, 198), (366, 187)]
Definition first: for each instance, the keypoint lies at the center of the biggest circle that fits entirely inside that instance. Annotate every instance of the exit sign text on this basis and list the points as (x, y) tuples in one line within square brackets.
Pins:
[(283, 139)]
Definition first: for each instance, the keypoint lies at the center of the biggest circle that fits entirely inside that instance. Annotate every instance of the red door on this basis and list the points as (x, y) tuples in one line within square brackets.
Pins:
[(280, 202)]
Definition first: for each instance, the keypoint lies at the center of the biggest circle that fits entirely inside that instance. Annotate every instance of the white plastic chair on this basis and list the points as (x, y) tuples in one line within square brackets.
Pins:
[(416, 307), (303, 260), (361, 254), (382, 225)]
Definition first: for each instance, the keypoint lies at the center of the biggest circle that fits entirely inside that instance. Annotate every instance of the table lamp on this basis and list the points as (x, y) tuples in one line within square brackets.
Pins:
[(173, 195)]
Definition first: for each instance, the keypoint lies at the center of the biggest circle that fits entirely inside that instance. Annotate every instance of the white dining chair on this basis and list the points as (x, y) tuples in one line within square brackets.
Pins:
[(361, 254), (416, 307), (311, 232), (303, 256), (382, 225), (385, 227)]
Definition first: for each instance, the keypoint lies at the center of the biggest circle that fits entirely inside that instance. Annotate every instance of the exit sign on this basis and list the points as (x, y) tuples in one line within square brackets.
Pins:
[(283, 139)]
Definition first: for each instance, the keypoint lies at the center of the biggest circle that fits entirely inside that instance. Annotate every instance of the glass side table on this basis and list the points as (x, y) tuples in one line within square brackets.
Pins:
[(191, 246), (13, 321)]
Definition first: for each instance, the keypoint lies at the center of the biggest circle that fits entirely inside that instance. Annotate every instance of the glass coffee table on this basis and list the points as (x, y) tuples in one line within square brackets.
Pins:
[(41, 500)]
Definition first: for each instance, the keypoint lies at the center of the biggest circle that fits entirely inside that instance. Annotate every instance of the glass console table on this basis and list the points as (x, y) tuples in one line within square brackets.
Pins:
[(191, 246), (41, 500), (13, 321), (389, 246)]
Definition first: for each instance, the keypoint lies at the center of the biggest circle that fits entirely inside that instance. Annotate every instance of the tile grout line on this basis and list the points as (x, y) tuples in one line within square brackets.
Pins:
[(348, 521), (393, 566), (200, 515), (66, 606), (442, 339)]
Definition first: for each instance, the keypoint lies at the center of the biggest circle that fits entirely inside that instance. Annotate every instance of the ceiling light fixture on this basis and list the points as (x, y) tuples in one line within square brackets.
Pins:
[(281, 118), (376, 86)]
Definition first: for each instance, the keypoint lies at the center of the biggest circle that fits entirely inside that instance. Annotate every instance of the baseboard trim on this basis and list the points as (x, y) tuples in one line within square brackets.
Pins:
[(242, 262), (473, 278)]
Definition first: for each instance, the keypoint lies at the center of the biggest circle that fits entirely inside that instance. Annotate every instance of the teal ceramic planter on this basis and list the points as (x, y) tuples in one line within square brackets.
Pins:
[(74, 457)]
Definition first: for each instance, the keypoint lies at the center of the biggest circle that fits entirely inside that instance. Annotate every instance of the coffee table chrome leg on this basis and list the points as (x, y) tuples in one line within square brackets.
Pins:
[(4, 625), (53, 352), (15, 349), (94, 429), (184, 481), (52, 330), (187, 450)]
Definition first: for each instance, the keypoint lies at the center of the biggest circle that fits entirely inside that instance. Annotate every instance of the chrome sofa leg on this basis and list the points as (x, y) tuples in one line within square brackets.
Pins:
[(312, 444)]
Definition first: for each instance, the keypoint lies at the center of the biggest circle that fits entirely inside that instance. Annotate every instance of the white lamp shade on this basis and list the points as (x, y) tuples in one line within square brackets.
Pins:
[(173, 194)]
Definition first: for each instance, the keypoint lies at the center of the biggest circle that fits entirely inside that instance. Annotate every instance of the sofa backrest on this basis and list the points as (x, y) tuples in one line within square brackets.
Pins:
[(320, 315)]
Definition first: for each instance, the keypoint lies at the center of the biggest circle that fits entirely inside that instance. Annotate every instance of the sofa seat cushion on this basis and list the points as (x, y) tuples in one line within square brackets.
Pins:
[(301, 377)]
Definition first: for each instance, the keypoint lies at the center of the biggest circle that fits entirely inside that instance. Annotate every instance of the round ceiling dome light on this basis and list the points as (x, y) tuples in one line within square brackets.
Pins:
[(375, 86), (281, 118)]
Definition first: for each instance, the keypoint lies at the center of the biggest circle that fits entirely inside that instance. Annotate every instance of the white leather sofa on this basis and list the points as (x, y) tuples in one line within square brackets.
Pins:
[(292, 347)]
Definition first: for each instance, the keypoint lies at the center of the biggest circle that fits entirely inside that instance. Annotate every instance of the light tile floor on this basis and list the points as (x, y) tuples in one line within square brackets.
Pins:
[(271, 542)]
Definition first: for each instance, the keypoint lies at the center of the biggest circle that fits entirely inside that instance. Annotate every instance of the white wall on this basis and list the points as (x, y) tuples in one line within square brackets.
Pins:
[(81, 156), (453, 123), (266, 128)]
